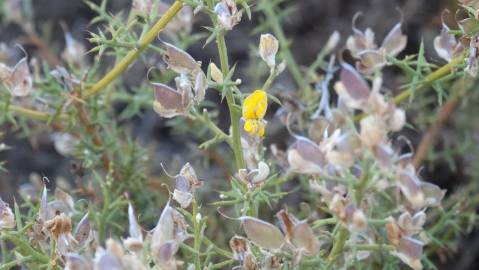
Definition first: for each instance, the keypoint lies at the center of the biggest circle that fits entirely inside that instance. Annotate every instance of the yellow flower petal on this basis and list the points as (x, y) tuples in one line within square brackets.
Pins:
[(255, 105)]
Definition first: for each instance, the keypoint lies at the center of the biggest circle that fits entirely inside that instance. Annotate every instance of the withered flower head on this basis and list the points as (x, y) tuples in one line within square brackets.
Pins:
[(186, 184), (60, 224), (228, 14), (268, 48)]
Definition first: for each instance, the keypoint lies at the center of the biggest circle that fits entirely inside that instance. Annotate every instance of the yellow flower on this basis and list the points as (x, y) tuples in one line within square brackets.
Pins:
[(255, 126), (254, 109), (255, 105)]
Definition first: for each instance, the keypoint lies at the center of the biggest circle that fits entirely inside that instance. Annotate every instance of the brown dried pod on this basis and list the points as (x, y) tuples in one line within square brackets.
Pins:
[(412, 225), (304, 156), (262, 233), (180, 61), (242, 252), (409, 251), (83, 231), (303, 238), (410, 186), (168, 101), (394, 233), (60, 224), (352, 88)]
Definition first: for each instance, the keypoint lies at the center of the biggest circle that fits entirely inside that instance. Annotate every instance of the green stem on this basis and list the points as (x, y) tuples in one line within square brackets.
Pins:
[(197, 236), (117, 70), (374, 247), (133, 54), (17, 262), (339, 243), (234, 113)]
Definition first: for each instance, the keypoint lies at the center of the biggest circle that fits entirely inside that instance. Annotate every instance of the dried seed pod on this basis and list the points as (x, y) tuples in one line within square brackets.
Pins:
[(305, 157), (394, 232), (412, 225), (446, 44), (395, 41), (17, 80), (268, 48), (186, 184), (410, 187), (371, 61), (409, 251), (83, 230), (242, 252), (262, 233), (352, 88), (433, 195), (169, 102), (180, 61), (135, 241), (200, 85), (228, 14), (166, 236), (303, 238), (105, 259), (7, 218), (360, 41)]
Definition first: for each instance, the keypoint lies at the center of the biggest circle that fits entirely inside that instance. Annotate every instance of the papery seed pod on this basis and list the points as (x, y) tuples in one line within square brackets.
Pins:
[(394, 233), (305, 157), (360, 41), (340, 149), (371, 61), (395, 41), (261, 174), (168, 233), (446, 44), (373, 130), (186, 184), (83, 230), (410, 187), (216, 73), (384, 155), (409, 251), (228, 14), (7, 218), (352, 88), (271, 262), (262, 233), (180, 61), (242, 252), (303, 238), (168, 102), (433, 195), (318, 127), (135, 240), (17, 80), (60, 224), (75, 261), (412, 225), (268, 48), (200, 85)]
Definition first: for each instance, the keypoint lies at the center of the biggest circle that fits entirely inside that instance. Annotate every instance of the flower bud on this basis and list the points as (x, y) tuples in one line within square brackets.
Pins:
[(216, 73), (268, 48), (262, 233)]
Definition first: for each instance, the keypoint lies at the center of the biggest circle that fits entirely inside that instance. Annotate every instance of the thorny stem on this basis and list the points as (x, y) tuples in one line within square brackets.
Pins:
[(17, 262), (149, 37), (197, 235), (275, 24), (431, 78), (234, 113), (117, 70), (374, 247)]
